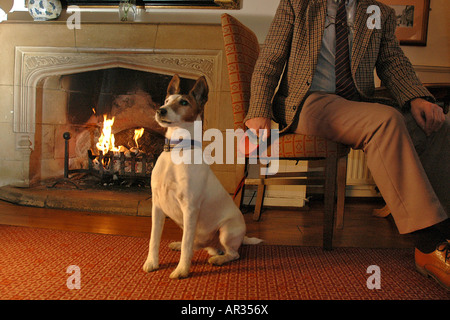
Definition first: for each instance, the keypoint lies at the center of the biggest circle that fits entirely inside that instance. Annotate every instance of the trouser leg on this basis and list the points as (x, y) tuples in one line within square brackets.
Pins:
[(381, 132), (434, 154)]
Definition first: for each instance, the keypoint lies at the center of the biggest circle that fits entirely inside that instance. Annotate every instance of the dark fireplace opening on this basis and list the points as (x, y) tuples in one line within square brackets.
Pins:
[(70, 146), (112, 88)]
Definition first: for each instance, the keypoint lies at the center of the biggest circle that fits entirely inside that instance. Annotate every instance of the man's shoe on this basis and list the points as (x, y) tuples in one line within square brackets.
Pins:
[(435, 264)]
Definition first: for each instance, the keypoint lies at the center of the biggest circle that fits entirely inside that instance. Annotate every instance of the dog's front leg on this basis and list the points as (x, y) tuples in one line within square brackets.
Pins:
[(190, 217), (152, 262)]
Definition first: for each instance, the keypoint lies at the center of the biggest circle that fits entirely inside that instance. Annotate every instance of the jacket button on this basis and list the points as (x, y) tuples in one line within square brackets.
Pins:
[(294, 107)]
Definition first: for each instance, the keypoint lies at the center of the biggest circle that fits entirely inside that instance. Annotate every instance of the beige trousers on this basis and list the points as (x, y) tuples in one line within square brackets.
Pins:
[(416, 193)]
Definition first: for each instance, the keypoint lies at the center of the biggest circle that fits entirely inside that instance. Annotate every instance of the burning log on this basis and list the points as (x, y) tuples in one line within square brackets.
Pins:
[(134, 157)]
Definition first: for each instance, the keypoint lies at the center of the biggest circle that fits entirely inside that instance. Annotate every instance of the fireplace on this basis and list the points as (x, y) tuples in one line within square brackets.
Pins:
[(65, 97)]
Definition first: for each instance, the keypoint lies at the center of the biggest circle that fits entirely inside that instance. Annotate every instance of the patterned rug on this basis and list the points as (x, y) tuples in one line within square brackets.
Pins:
[(34, 265)]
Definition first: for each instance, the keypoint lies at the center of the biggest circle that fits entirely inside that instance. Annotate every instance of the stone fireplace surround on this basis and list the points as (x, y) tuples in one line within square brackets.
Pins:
[(40, 110), (35, 52)]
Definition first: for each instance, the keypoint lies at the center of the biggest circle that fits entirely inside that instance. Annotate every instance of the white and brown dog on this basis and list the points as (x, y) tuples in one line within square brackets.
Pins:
[(190, 194)]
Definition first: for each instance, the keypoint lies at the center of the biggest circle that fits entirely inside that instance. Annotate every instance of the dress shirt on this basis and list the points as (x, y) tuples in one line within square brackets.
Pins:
[(324, 78)]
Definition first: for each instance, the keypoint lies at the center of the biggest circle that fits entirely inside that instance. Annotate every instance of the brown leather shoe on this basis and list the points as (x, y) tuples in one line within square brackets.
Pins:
[(435, 264)]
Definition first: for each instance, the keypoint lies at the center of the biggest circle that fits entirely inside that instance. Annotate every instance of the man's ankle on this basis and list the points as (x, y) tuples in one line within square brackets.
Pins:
[(426, 240)]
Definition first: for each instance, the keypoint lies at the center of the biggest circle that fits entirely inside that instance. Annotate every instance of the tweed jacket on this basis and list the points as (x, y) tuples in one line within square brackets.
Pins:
[(284, 70)]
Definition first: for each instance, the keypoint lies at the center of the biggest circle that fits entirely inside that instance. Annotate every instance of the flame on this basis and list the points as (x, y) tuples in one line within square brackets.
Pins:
[(106, 141), (137, 135)]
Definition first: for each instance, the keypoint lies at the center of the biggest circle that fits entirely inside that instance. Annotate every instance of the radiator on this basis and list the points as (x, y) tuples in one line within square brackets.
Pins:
[(359, 179)]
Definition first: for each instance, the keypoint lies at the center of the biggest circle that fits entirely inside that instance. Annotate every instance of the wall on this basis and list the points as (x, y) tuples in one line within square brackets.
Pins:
[(258, 14), (437, 51)]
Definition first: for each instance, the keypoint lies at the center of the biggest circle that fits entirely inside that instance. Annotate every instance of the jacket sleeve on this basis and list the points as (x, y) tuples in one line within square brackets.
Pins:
[(270, 64), (394, 68)]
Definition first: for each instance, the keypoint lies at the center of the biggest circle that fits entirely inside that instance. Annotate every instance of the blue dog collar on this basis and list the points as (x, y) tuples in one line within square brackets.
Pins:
[(182, 144)]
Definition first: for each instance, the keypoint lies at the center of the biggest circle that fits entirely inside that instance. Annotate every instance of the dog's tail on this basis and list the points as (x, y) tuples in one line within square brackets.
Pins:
[(248, 240)]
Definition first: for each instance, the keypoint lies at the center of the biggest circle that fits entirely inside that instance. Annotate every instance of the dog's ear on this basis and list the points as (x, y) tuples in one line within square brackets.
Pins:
[(174, 86), (200, 91)]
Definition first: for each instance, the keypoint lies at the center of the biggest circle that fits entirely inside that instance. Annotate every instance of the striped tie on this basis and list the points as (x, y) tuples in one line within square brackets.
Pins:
[(344, 82)]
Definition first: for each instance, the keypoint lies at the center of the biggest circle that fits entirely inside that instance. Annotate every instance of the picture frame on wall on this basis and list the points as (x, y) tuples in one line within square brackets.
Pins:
[(412, 20)]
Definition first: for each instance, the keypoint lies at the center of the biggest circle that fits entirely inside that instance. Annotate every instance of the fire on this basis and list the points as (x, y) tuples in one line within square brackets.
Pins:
[(106, 141), (137, 135)]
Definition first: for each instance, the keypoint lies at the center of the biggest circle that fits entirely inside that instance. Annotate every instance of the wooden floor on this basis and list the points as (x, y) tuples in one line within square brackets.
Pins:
[(301, 227)]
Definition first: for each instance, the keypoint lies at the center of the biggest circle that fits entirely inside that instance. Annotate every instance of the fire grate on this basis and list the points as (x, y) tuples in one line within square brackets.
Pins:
[(121, 166), (114, 168)]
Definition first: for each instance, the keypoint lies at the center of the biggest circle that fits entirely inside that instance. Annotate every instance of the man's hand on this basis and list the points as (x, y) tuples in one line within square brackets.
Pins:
[(259, 123), (429, 116)]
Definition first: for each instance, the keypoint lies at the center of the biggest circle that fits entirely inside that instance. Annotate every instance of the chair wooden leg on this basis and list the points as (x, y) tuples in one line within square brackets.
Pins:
[(329, 207), (259, 199), (341, 183), (240, 195)]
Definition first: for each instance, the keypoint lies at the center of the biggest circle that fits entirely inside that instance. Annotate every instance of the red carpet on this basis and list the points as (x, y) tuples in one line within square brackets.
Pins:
[(33, 265)]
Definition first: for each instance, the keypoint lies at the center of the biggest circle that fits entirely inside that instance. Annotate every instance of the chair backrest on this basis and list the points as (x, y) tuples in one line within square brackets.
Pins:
[(242, 50)]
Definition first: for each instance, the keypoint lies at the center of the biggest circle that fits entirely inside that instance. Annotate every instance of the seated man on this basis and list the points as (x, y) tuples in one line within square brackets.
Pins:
[(316, 69)]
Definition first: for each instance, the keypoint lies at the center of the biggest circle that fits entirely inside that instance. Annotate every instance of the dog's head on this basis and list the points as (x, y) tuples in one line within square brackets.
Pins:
[(179, 109)]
